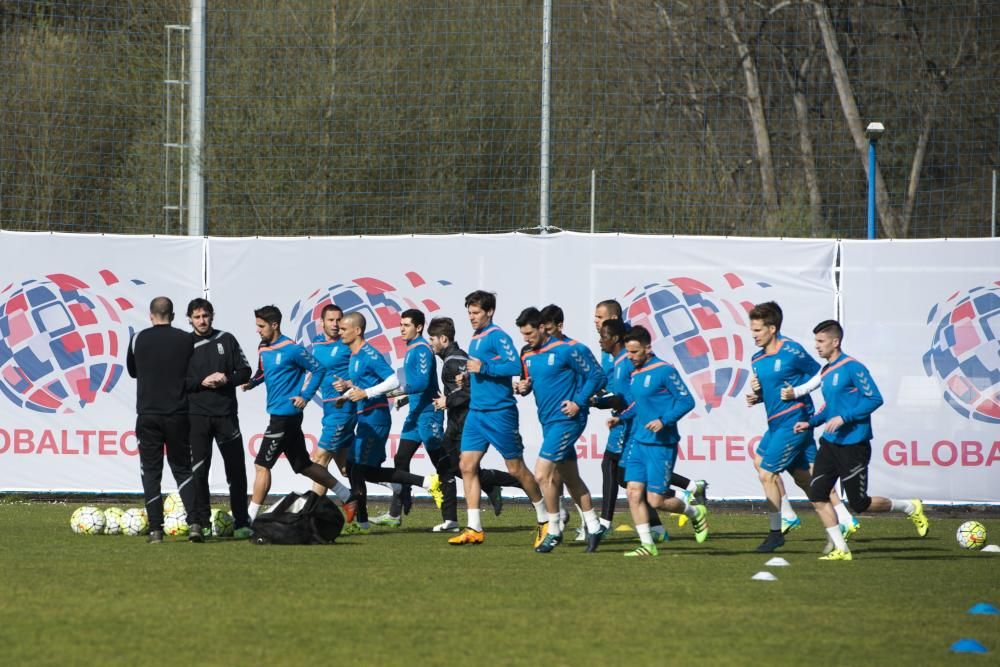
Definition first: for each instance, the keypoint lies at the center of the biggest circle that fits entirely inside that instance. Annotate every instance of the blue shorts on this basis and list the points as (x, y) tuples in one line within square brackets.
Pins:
[(338, 431), (369, 444), (651, 465), (626, 451), (559, 439), (426, 427), (493, 427), (782, 449)]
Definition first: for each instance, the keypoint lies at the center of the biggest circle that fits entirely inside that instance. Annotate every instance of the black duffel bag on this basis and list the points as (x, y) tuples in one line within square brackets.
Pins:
[(299, 519)]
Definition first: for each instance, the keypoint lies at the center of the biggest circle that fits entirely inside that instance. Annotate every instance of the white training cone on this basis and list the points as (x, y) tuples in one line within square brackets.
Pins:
[(777, 561), (764, 576), (992, 548)]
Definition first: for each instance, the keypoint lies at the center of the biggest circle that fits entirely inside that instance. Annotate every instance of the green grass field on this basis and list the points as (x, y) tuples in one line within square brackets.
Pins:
[(404, 596)]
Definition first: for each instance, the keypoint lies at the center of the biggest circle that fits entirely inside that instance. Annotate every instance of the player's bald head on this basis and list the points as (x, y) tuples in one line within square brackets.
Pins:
[(353, 320)]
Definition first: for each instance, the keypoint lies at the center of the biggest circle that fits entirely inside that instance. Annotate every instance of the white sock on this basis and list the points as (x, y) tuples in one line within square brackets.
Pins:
[(342, 492), (645, 536), (395, 488), (837, 538), (692, 486), (554, 527), (252, 510), (540, 514), (843, 515), (904, 506), (605, 523), (590, 518), (690, 511), (427, 482), (775, 518), (786, 510), (475, 521)]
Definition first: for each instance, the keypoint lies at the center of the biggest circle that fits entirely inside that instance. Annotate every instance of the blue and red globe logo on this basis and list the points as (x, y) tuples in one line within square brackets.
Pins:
[(700, 331), (61, 341), (965, 351), (380, 302)]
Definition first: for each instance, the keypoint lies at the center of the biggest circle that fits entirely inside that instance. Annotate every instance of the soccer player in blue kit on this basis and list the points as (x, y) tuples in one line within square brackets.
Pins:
[(845, 447), (780, 362), (563, 379), (493, 417), (370, 378), (291, 376), (659, 400), (340, 419), (423, 423)]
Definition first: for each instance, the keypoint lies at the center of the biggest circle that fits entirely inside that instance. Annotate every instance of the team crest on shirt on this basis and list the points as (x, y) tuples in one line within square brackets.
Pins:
[(836, 379), (221, 349), (777, 365), (277, 359), (552, 359), (646, 380)]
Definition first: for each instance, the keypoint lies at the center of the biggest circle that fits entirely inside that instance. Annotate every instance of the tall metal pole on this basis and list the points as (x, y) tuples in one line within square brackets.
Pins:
[(543, 209), (196, 182), (871, 187), (993, 208)]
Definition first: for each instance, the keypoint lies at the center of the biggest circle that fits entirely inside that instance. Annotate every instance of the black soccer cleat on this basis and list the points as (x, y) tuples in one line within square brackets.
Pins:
[(155, 537), (195, 533), (773, 540)]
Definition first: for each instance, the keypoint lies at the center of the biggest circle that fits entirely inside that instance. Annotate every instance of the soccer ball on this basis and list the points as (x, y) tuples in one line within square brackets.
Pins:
[(222, 523), (113, 518), (87, 520), (173, 504), (135, 522), (971, 535), (175, 523)]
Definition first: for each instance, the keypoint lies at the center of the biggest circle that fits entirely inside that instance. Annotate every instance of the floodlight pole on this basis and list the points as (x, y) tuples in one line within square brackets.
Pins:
[(873, 132), (196, 181), (543, 209)]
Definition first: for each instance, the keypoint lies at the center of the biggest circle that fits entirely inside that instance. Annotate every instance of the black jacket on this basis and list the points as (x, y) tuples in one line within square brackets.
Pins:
[(217, 352), (158, 359), (456, 399)]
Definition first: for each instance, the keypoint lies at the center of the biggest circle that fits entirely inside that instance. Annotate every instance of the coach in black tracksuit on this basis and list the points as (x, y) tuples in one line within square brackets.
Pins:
[(217, 368), (158, 359)]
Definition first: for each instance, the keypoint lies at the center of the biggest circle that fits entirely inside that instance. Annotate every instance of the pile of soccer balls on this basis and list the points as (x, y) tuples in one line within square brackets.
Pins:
[(91, 520)]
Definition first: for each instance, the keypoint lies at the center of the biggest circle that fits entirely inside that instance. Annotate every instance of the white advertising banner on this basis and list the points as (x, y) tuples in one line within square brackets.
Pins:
[(692, 293), (68, 305), (924, 316)]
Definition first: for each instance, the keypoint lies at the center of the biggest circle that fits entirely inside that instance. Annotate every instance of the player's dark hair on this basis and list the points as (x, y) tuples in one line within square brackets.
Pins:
[(269, 314), (530, 316), (442, 326), (330, 308), (415, 316), (612, 306), (831, 327), (357, 319), (552, 314), (485, 300), (162, 307), (614, 328), (640, 335), (769, 313), (200, 304)]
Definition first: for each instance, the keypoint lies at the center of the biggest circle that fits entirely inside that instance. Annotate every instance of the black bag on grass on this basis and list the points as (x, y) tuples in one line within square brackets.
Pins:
[(299, 519)]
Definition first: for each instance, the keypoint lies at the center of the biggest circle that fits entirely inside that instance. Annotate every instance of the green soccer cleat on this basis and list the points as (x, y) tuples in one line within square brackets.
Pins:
[(643, 550), (435, 490), (388, 521), (355, 528), (788, 525), (838, 554), (918, 517), (848, 529), (700, 524), (549, 542), (243, 533)]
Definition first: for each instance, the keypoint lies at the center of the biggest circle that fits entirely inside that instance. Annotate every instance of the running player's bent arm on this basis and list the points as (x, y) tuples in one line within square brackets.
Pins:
[(418, 369), (258, 377), (506, 362), (591, 375), (308, 363), (683, 402), (809, 386), (869, 398), (239, 369)]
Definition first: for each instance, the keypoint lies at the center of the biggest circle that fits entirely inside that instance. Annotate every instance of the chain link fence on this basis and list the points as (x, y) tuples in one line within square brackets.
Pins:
[(384, 117)]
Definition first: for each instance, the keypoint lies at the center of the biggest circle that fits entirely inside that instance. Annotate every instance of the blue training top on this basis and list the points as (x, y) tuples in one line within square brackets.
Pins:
[(287, 370), (420, 367), (658, 392), (335, 358), (792, 365), (491, 387), (369, 368), (560, 372), (851, 394)]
